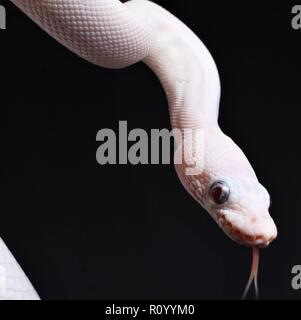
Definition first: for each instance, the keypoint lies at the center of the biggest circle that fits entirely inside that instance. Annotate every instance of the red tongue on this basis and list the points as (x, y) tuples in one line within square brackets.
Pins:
[(253, 274)]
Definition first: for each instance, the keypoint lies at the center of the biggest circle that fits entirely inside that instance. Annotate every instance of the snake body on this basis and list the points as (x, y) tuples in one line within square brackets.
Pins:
[(111, 34)]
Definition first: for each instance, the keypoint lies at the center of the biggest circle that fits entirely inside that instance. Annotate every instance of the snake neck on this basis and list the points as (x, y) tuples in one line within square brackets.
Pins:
[(184, 67)]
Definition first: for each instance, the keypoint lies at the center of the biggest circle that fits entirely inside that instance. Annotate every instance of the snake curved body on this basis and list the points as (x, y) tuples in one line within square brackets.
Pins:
[(111, 34)]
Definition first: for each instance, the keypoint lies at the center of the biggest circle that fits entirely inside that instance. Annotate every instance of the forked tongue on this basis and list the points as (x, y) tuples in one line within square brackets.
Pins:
[(253, 274)]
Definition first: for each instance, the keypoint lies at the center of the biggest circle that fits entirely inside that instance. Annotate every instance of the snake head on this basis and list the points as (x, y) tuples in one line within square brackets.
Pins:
[(227, 187)]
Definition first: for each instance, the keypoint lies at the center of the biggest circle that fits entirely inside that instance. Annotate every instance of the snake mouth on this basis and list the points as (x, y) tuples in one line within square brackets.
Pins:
[(255, 231)]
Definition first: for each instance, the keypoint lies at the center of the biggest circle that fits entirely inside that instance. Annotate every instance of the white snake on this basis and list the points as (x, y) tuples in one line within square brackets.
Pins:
[(115, 35)]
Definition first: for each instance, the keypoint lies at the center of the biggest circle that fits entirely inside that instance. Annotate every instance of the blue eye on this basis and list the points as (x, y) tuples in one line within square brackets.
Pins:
[(219, 192)]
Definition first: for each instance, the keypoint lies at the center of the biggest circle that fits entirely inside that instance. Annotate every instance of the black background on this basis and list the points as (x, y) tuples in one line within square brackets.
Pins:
[(83, 231)]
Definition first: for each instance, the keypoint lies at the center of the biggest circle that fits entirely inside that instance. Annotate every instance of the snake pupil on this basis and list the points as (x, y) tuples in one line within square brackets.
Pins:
[(220, 192)]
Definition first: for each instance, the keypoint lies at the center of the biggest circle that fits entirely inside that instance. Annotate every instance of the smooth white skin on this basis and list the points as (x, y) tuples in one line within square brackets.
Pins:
[(14, 285), (115, 35)]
